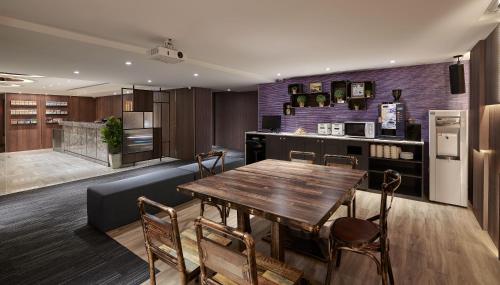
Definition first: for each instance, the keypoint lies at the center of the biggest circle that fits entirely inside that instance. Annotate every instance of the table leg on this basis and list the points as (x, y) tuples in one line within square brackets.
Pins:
[(277, 251), (243, 225)]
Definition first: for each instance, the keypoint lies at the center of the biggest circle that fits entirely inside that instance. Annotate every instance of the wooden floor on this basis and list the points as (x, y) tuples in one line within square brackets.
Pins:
[(430, 244)]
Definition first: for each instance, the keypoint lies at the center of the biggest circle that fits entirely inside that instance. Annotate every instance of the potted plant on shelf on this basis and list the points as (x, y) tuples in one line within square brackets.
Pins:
[(302, 100), (321, 100), (340, 95), (112, 134)]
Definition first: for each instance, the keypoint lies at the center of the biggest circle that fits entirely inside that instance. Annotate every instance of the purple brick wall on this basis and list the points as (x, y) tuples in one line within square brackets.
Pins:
[(424, 87)]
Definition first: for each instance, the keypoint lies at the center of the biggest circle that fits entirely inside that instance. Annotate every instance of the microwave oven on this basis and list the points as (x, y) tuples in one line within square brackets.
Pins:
[(360, 129)]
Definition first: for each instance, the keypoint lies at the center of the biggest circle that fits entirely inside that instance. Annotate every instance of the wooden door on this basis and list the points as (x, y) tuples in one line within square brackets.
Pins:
[(2, 123), (274, 149)]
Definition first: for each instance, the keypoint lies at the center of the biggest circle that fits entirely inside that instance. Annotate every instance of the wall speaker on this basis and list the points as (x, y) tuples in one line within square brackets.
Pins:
[(457, 80)]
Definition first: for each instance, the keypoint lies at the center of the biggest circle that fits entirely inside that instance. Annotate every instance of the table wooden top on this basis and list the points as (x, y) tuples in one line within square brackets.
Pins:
[(292, 193)]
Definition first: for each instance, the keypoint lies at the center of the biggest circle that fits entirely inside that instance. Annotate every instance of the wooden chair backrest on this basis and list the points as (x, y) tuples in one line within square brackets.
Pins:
[(216, 156), (158, 232), (302, 156), (239, 267), (392, 180), (345, 161)]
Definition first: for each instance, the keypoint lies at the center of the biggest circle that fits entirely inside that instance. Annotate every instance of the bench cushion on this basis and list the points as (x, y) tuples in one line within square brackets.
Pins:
[(230, 163), (114, 204)]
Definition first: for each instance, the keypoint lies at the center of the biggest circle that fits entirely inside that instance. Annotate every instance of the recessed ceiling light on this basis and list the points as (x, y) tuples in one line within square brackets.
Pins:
[(196, 75), (149, 81), (392, 61), (114, 93), (327, 69), (76, 72), (278, 74), (228, 89), (128, 62)]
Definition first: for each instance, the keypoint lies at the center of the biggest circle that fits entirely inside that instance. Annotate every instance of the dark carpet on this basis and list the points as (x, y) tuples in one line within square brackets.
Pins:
[(45, 239)]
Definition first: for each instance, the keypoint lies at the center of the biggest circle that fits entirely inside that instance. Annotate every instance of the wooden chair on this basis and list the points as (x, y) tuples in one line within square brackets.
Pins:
[(302, 156), (231, 267), (345, 161), (163, 241), (215, 157), (365, 236)]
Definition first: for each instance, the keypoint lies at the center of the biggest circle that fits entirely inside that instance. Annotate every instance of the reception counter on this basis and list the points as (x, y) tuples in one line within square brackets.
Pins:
[(84, 139)]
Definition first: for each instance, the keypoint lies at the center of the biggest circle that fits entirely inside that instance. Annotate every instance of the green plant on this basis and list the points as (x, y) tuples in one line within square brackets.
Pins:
[(112, 134), (301, 99), (340, 93), (320, 99)]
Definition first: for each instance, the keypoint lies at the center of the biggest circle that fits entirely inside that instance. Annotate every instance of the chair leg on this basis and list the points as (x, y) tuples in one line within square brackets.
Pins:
[(389, 269), (329, 271), (383, 261), (339, 256), (202, 208), (152, 273), (354, 207), (349, 210), (330, 266), (223, 215)]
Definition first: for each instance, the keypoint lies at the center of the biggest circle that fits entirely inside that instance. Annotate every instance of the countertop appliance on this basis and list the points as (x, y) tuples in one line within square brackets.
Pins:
[(448, 158), (271, 123), (359, 129), (392, 120), (324, 129), (338, 129)]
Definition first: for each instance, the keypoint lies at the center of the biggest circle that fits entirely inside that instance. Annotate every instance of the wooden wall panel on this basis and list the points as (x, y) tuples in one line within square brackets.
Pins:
[(108, 106), (485, 137), (492, 51), (234, 113), (184, 147), (494, 179), (2, 122), (203, 120)]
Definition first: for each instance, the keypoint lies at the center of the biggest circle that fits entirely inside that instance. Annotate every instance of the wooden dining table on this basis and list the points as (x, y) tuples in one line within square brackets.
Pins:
[(293, 194)]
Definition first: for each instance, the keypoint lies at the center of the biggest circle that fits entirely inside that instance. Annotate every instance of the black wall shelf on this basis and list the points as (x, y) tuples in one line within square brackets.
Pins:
[(310, 99)]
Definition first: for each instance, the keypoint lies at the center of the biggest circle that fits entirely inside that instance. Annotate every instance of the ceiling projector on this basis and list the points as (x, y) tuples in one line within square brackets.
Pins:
[(166, 53)]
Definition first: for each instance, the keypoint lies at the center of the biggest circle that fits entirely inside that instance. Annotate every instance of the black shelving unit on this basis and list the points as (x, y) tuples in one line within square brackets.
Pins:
[(412, 172), (360, 101), (336, 85), (310, 99)]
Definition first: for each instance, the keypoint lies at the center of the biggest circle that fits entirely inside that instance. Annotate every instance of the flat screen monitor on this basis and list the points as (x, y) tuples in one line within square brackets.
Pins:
[(272, 123)]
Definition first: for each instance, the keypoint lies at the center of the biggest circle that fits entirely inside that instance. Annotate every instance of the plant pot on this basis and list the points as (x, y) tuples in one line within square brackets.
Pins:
[(302, 105), (340, 100), (356, 107), (115, 160), (322, 104)]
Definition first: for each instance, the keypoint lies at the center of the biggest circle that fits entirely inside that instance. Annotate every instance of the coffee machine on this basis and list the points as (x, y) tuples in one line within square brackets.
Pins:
[(392, 120)]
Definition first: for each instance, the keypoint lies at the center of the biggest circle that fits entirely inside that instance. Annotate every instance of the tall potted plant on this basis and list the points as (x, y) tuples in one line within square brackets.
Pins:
[(112, 134)]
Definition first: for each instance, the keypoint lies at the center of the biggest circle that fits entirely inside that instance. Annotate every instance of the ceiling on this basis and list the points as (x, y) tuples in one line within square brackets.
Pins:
[(230, 43)]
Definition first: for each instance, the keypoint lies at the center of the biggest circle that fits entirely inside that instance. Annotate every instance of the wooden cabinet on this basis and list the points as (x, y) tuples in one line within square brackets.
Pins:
[(279, 147)]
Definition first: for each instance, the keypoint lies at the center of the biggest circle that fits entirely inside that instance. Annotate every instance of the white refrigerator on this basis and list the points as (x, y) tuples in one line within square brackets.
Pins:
[(448, 157)]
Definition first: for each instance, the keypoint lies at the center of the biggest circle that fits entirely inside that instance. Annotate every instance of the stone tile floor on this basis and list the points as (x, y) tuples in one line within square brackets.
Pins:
[(25, 170)]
